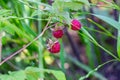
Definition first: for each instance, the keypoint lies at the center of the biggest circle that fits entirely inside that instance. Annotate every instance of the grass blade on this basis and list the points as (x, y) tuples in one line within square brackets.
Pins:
[(87, 35), (62, 57), (94, 70), (118, 41), (86, 68), (110, 21)]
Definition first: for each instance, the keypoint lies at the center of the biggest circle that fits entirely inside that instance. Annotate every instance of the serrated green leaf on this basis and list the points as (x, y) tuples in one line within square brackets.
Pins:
[(6, 77), (76, 5), (18, 75), (32, 73), (35, 69), (59, 75), (59, 6)]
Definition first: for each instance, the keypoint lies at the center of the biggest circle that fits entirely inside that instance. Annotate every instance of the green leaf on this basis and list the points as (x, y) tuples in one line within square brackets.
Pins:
[(101, 27), (16, 75), (40, 12), (11, 29), (88, 36), (6, 77), (4, 12), (85, 67), (62, 5), (59, 75), (110, 21), (76, 5), (116, 25), (98, 67), (118, 41), (62, 55), (85, 2), (32, 73)]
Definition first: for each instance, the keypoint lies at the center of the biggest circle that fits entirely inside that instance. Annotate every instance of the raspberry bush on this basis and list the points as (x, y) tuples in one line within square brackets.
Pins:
[(70, 39)]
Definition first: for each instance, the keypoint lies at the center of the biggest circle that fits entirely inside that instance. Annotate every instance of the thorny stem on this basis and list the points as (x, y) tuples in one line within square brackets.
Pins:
[(15, 53)]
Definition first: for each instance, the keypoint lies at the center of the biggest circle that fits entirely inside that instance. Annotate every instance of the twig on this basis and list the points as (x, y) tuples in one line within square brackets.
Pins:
[(15, 53)]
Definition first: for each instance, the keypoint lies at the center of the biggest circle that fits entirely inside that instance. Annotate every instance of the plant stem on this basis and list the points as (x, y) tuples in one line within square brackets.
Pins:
[(89, 47), (25, 46), (96, 50), (40, 47), (94, 70), (0, 49), (85, 67), (62, 55)]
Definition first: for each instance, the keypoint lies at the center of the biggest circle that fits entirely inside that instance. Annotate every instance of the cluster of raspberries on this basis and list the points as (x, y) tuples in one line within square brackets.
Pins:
[(54, 47)]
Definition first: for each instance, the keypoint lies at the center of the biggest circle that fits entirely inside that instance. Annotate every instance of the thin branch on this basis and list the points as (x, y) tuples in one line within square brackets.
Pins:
[(24, 47)]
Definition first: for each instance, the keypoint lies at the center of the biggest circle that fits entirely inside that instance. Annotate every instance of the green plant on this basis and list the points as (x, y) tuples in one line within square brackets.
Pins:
[(25, 26)]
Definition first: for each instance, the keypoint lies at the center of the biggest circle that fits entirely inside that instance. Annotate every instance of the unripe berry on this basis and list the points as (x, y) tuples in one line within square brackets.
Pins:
[(53, 47), (58, 33), (75, 24)]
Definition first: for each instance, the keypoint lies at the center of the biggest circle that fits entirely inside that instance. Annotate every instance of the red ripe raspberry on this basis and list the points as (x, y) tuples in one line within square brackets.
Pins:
[(54, 47), (75, 24), (58, 33)]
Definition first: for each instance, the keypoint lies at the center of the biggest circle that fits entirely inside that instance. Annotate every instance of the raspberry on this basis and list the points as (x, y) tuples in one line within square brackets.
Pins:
[(53, 47), (58, 33), (75, 24)]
